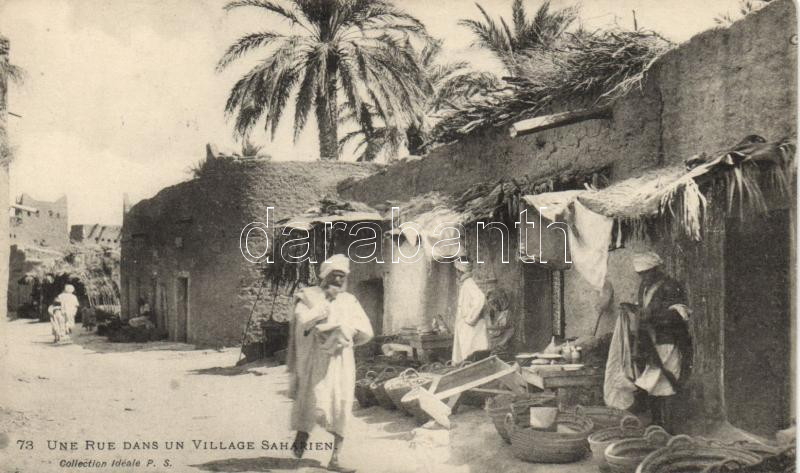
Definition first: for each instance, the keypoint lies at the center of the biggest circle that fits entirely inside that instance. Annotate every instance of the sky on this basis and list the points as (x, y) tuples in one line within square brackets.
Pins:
[(121, 96)]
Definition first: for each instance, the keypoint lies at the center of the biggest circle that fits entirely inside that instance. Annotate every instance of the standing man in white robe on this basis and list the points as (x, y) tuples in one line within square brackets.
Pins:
[(327, 324), (471, 332), (69, 304)]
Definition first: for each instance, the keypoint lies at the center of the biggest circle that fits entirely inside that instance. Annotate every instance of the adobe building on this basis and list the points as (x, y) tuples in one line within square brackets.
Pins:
[(39, 234), (698, 101), (107, 236), (181, 248)]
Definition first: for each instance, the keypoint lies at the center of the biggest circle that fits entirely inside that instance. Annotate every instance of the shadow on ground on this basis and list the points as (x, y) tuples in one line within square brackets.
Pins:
[(100, 344), (237, 370), (261, 464)]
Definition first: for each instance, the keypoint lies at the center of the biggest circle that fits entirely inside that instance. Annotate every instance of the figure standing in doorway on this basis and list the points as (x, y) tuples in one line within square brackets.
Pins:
[(328, 322), (470, 329), (664, 345)]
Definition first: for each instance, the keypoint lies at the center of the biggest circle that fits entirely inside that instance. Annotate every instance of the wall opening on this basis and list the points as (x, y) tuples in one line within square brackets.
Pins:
[(537, 300), (182, 319), (757, 338), (370, 295)]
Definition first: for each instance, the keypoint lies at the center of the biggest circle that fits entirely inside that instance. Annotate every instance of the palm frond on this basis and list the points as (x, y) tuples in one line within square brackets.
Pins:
[(267, 5), (245, 44)]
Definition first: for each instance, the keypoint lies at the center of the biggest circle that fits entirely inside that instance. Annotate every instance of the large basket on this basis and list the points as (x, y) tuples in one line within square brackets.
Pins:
[(599, 440), (540, 446), (363, 394), (398, 387), (624, 456), (410, 403), (521, 407), (685, 454)]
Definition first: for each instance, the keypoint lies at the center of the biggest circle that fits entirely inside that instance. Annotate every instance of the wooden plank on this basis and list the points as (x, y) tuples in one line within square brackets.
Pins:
[(515, 382), (439, 411), (546, 122), (473, 384)]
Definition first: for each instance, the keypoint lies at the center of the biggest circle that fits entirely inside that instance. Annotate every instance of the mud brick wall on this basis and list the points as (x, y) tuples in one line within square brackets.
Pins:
[(46, 228), (191, 230), (704, 95)]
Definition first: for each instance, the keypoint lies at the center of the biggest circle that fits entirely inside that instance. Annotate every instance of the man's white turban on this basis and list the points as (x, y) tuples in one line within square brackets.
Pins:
[(645, 261), (69, 288), (334, 263)]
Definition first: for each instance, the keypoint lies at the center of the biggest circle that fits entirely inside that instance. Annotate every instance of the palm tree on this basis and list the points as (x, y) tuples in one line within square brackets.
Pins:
[(448, 85), (8, 71), (541, 31), (357, 47)]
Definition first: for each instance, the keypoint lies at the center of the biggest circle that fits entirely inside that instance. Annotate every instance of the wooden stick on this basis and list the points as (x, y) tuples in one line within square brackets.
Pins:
[(546, 122)]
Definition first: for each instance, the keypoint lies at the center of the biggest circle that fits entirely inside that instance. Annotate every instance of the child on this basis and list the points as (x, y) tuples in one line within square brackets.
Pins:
[(57, 320)]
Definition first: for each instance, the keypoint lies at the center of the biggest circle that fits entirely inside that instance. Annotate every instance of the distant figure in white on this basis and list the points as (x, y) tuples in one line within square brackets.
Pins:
[(57, 320), (470, 328), (328, 322), (69, 304)]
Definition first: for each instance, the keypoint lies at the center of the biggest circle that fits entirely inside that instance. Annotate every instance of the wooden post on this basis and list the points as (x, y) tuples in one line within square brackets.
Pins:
[(546, 122)]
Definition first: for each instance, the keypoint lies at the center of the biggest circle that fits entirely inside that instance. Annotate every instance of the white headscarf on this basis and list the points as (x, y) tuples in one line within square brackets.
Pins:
[(645, 261), (338, 262), (69, 288)]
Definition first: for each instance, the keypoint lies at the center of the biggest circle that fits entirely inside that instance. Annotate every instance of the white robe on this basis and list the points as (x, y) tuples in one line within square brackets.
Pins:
[(69, 304), (320, 359), (470, 328)]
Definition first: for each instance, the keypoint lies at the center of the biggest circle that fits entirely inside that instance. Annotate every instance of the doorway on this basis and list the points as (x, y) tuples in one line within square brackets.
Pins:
[(757, 338), (182, 320), (370, 295), (537, 300)]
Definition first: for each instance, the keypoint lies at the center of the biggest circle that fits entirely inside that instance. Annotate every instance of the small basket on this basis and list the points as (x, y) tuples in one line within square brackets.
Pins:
[(603, 417), (630, 427), (539, 446), (363, 394)]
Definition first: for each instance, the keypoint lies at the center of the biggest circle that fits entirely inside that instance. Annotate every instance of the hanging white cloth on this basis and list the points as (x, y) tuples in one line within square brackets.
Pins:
[(471, 331), (618, 386), (590, 237)]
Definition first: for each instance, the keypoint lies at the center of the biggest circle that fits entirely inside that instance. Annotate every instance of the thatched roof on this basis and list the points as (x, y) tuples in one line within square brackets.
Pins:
[(96, 269), (676, 191)]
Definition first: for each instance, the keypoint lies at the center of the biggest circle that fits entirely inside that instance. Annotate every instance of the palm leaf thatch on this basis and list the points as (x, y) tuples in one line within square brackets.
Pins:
[(95, 268), (749, 171), (341, 52), (600, 66)]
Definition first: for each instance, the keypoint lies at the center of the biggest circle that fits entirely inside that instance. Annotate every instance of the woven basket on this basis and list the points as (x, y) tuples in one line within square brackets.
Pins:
[(684, 454), (599, 440), (624, 456), (378, 390), (410, 403), (539, 446), (398, 387), (603, 417), (521, 407), (363, 394), (498, 408)]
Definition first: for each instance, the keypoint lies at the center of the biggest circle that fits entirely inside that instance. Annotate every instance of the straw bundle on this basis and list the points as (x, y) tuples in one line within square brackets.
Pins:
[(598, 67)]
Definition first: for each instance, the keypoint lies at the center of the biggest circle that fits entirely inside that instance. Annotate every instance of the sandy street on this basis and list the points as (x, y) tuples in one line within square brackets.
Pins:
[(69, 407)]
